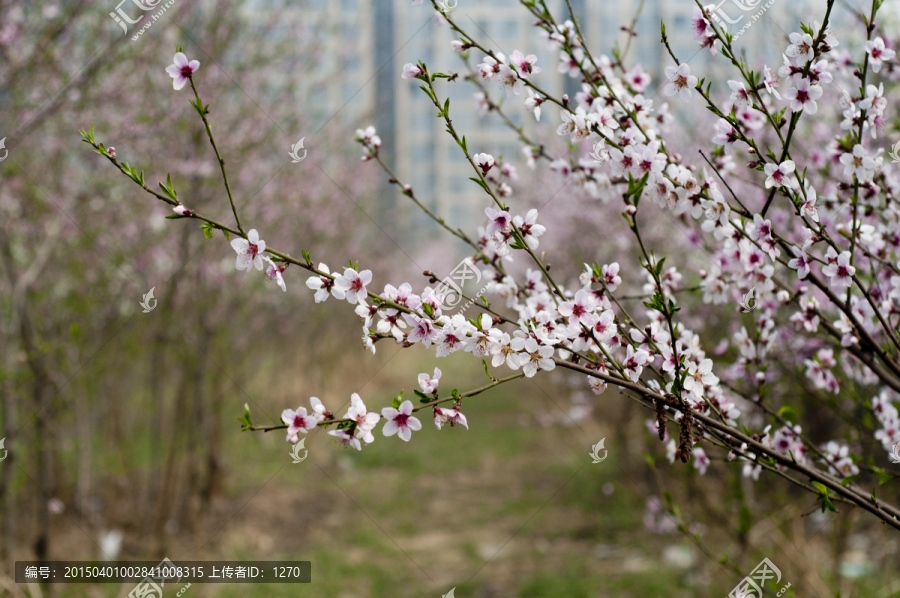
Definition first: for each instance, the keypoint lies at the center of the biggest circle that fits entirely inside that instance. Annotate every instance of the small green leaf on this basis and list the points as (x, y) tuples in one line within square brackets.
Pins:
[(480, 182), (789, 413), (883, 476), (247, 419), (848, 480), (486, 372)]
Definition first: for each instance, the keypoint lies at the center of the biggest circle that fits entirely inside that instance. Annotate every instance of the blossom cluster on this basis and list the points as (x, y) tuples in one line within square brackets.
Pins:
[(356, 427), (836, 278)]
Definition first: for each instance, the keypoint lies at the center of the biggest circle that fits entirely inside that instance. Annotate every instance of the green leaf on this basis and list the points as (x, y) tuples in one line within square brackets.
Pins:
[(168, 189), (208, 230), (423, 398), (848, 480), (247, 419), (486, 372), (480, 182), (428, 92), (883, 476), (789, 413)]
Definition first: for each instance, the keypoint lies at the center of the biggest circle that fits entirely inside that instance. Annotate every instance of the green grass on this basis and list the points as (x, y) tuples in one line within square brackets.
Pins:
[(415, 519)]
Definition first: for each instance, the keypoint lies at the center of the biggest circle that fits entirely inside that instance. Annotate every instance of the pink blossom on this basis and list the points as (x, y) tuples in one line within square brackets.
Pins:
[(529, 228), (274, 273), (299, 421), (483, 161), (803, 96), (877, 53), (323, 285), (400, 420), (525, 64), (182, 70), (452, 416), (353, 284), (801, 46), (410, 71), (840, 271), (579, 308), (429, 384), (779, 175), (680, 81), (500, 221), (249, 251)]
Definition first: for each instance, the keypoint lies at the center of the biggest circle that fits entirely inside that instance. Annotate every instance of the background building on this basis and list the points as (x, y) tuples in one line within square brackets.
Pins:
[(378, 37)]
